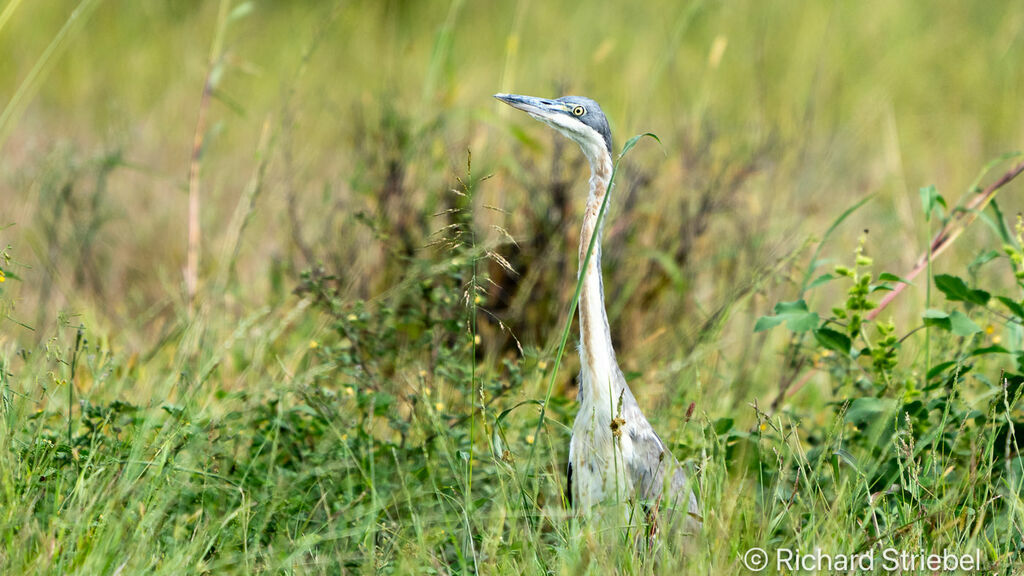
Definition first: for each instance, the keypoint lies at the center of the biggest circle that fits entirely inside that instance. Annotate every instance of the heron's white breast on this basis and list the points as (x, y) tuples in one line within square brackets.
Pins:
[(598, 456)]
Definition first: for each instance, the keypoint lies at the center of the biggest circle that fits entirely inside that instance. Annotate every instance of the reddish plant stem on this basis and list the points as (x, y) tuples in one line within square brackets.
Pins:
[(194, 205), (957, 223)]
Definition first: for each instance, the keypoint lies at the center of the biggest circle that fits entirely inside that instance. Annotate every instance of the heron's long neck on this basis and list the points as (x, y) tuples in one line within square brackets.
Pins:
[(596, 351)]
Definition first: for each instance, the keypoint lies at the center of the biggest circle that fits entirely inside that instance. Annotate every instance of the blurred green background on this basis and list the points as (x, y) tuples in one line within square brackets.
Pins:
[(773, 118)]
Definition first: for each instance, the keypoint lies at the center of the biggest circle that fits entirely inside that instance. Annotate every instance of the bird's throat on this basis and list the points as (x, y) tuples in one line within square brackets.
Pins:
[(596, 353)]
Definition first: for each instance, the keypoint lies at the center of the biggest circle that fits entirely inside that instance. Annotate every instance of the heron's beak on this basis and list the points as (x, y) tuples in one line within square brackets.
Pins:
[(539, 108)]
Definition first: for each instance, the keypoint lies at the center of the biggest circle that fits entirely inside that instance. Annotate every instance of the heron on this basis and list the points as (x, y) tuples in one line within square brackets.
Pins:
[(615, 456)]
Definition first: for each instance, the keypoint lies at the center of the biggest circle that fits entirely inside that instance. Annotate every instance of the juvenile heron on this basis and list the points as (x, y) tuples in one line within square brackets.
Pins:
[(615, 456)]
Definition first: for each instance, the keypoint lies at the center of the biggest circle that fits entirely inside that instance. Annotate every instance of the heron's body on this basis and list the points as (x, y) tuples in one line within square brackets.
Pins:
[(615, 457)]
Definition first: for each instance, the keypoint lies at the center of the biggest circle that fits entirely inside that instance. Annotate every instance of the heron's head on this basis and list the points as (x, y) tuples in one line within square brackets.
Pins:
[(578, 118)]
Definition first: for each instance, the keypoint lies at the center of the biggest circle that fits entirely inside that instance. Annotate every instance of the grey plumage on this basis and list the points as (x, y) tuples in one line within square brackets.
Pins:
[(594, 117), (615, 456)]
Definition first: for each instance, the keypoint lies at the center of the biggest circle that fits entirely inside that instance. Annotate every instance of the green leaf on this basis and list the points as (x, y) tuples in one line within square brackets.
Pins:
[(994, 349), (1015, 307), (508, 411), (1001, 227), (791, 307), (824, 278), (632, 142), (767, 323), (939, 369), (723, 425), (889, 277), (937, 318), (803, 323), (981, 260), (956, 290), (794, 314), (845, 456), (833, 340), (956, 322), (961, 325), (930, 198)]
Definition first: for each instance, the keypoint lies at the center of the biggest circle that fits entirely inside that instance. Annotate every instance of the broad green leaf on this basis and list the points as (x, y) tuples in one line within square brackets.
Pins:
[(937, 318), (956, 322), (956, 290), (723, 425), (961, 325), (791, 307), (803, 323), (767, 323), (833, 340), (794, 314)]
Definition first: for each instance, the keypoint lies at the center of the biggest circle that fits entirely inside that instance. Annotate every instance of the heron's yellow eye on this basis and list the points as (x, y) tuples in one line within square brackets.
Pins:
[(579, 111)]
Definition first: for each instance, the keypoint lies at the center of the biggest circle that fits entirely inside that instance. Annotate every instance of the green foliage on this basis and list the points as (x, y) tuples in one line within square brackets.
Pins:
[(794, 314), (913, 423)]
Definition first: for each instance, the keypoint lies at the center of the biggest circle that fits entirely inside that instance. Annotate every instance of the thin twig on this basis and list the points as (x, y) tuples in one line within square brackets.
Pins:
[(192, 265), (952, 229), (194, 237), (957, 223)]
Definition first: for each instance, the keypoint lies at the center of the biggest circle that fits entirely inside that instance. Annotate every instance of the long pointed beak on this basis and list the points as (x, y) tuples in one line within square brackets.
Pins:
[(537, 107)]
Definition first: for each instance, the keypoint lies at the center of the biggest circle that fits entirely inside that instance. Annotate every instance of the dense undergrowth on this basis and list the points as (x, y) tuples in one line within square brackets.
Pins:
[(395, 442)]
